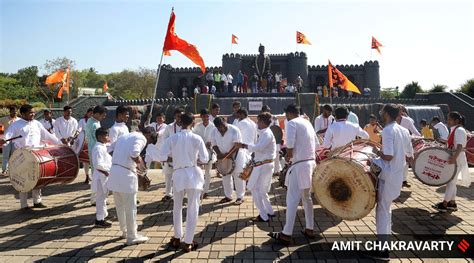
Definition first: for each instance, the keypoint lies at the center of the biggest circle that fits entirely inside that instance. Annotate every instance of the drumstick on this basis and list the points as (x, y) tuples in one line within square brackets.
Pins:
[(230, 153), (14, 138)]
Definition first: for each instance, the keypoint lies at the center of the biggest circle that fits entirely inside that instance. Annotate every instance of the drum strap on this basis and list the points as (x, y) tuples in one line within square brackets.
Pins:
[(260, 163)]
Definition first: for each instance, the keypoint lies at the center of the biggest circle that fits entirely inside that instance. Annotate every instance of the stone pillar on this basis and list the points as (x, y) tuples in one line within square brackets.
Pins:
[(372, 78), (298, 64)]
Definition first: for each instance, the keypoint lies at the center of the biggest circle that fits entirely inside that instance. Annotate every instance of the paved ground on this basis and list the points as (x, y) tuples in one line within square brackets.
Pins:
[(64, 232)]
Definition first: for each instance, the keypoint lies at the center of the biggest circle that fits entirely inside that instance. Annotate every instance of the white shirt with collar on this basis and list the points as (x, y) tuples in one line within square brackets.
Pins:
[(153, 149), (442, 130), (265, 147), (342, 132), (116, 131), (321, 123), (102, 161), (48, 125), (32, 132), (65, 128), (171, 129), (248, 130), (226, 142), (81, 125), (409, 124), (123, 178), (185, 148), (204, 131)]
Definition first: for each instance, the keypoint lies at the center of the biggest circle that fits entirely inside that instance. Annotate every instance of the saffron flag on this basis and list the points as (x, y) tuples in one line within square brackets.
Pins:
[(301, 38), (376, 45), (173, 42), (65, 83), (56, 77), (234, 39), (105, 88), (167, 53), (337, 79)]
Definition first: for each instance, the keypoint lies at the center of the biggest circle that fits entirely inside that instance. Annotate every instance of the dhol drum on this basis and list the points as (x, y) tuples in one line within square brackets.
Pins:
[(470, 149), (245, 175), (143, 181), (345, 183), (321, 154), (431, 166), (80, 147), (320, 137), (37, 167), (420, 143), (225, 166)]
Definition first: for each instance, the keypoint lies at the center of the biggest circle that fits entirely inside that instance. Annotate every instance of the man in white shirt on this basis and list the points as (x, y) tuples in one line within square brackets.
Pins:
[(324, 120), (48, 121), (32, 134), (232, 119), (120, 126), (342, 132), (392, 162), (407, 122), (123, 180), (204, 129), (65, 127), (230, 79), (261, 178), (248, 128), (7, 149), (442, 131), (215, 110), (185, 148), (153, 149), (171, 129), (223, 139), (301, 146), (352, 117)]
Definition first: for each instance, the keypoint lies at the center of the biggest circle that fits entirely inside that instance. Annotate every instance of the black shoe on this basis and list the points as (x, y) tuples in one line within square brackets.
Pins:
[(102, 224), (406, 184), (378, 254), (452, 206), (93, 204), (166, 198), (440, 207), (205, 196), (39, 205), (225, 200), (239, 201)]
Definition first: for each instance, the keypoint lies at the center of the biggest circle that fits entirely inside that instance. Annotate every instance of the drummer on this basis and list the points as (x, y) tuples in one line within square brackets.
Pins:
[(324, 120), (440, 131), (65, 127), (223, 139), (342, 132), (277, 164), (261, 178), (7, 149), (120, 126), (33, 133), (204, 130), (457, 142)]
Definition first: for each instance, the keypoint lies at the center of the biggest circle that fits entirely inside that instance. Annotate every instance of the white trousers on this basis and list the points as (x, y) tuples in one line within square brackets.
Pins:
[(228, 182), (192, 212), (405, 173), (35, 193), (276, 161), (293, 197), (207, 177), (168, 171), (262, 203), (383, 212), (451, 190), (126, 206), (101, 203)]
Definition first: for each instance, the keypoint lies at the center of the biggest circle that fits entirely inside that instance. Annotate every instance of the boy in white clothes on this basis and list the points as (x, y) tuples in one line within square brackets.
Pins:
[(153, 149), (65, 127), (185, 148), (120, 127), (261, 178), (204, 130), (102, 164), (48, 121), (342, 132)]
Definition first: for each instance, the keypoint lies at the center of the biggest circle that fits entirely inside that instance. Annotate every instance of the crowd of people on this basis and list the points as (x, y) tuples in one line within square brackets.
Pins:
[(188, 152)]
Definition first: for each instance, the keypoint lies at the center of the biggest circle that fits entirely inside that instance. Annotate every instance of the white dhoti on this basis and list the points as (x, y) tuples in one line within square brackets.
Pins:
[(126, 206), (101, 193), (383, 211), (168, 172), (462, 178), (192, 213), (36, 195), (228, 181), (259, 184)]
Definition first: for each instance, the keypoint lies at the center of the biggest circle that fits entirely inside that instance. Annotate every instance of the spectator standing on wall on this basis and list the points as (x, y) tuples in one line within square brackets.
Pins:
[(209, 78), (230, 86), (239, 80), (217, 80)]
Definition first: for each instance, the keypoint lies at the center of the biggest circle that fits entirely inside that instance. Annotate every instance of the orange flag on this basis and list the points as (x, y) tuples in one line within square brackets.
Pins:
[(234, 39), (173, 42), (65, 83), (301, 38), (167, 53), (56, 77), (105, 88), (337, 79), (376, 45)]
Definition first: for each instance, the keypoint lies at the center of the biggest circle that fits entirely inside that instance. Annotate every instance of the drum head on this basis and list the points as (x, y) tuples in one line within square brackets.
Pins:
[(225, 166), (79, 142), (278, 133), (24, 170), (344, 189), (431, 166)]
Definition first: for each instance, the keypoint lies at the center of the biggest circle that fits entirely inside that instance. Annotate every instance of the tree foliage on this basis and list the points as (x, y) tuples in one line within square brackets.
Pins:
[(56, 64), (468, 87), (438, 88), (411, 89), (389, 93)]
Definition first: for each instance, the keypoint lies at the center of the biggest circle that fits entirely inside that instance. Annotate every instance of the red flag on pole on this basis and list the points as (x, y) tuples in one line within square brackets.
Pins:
[(376, 45), (173, 42), (301, 38), (337, 79), (234, 39)]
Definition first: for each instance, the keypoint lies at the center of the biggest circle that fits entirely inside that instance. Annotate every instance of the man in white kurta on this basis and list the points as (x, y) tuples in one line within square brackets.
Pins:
[(441, 129), (204, 130), (65, 127), (301, 143), (33, 134), (409, 124), (324, 120), (171, 129), (102, 164), (223, 139), (120, 127), (261, 178), (185, 148), (153, 149), (48, 121), (342, 132), (123, 181)]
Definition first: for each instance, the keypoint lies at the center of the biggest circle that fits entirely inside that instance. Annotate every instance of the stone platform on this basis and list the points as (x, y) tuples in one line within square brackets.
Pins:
[(64, 231)]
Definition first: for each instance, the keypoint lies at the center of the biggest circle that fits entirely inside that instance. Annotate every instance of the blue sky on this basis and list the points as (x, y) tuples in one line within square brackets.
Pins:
[(426, 41)]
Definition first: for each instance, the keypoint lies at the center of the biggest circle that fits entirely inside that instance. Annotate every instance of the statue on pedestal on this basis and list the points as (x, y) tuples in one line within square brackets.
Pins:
[(262, 62)]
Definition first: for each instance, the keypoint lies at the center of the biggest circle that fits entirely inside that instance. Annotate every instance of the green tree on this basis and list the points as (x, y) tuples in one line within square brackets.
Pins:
[(438, 88), (411, 89), (468, 88), (28, 77), (53, 65), (132, 84), (93, 79), (389, 93)]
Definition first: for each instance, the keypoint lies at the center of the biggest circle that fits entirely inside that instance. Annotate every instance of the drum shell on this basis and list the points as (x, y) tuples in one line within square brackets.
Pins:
[(431, 168), (32, 168), (80, 147), (470, 149)]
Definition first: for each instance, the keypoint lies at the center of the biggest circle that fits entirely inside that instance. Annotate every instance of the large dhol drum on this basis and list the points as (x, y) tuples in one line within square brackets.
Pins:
[(345, 183), (80, 147), (470, 149), (37, 167), (420, 143), (431, 166)]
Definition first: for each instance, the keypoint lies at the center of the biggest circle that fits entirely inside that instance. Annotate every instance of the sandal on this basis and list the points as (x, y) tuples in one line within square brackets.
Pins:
[(280, 237), (308, 233), (259, 219), (175, 242), (190, 247)]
